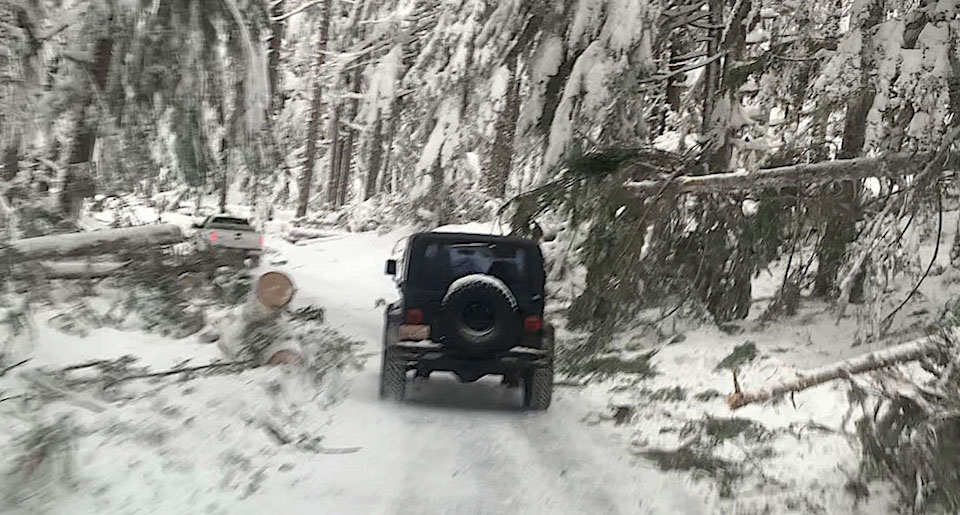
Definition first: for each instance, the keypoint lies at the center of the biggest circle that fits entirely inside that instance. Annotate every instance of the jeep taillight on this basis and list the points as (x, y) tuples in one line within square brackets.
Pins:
[(414, 316), (532, 324), (214, 236)]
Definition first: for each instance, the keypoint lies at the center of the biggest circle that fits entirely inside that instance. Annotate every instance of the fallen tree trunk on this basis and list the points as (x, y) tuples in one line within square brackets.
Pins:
[(892, 165), (95, 242), (254, 331), (903, 353), (295, 234), (81, 269)]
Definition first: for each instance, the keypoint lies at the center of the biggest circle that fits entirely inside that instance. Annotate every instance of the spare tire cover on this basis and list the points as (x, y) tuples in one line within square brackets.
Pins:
[(479, 315)]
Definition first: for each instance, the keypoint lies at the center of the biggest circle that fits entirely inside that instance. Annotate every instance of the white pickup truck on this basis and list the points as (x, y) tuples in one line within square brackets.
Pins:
[(229, 235)]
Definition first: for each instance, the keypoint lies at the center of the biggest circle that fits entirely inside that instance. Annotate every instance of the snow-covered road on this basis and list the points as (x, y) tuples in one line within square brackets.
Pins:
[(450, 448)]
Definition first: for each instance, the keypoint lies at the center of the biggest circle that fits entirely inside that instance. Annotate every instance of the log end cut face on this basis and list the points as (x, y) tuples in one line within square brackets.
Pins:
[(275, 290)]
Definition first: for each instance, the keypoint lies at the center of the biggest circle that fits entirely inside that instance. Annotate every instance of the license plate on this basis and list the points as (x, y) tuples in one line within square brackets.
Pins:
[(411, 332)]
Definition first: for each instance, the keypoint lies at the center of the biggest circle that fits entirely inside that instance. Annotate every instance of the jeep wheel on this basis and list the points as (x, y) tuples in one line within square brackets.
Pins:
[(393, 376), (479, 315), (538, 383), (538, 388)]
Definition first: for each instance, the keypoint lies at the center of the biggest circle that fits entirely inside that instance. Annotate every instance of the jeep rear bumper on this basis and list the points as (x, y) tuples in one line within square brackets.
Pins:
[(425, 357)]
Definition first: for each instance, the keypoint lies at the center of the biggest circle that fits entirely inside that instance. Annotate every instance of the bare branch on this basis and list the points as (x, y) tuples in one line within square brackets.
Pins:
[(665, 76), (296, 11), (11, 367)]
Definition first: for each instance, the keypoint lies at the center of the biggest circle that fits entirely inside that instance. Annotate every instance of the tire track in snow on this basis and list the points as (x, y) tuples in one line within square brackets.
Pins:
[(454, 448)]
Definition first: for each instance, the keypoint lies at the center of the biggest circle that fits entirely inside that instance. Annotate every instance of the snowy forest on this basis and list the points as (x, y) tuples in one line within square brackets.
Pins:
[(747, 210)]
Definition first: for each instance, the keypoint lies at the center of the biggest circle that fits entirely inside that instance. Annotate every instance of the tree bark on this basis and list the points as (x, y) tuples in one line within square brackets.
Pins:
[(11, 158), (910, 351), (711, 73), (346, 158), (313, 125), (273, 62), (78, 180), (346, 151), (97, 242), (224, 182), (333, 177), (505, 129), (375, 160)]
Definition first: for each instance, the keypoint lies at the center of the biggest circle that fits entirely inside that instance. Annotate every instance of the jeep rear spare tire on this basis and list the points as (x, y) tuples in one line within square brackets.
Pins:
[(479, 315)]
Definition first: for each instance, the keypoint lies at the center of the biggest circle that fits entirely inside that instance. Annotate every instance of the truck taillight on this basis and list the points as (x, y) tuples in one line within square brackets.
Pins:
[(214, 236), (532, 324), (261, 241), (414, 316)]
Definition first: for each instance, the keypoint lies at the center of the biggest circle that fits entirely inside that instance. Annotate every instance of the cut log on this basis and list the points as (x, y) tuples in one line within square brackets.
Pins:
[(108, 240), (272, 292), (903, 353), (892, 165)]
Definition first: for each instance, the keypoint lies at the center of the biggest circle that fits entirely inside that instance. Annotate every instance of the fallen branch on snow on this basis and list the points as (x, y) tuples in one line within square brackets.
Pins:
[(183, 370), (13, 366), (305, 442), (910, 351)]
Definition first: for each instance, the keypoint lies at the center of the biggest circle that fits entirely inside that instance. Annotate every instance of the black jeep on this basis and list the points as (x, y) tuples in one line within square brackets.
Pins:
[(471, 304)]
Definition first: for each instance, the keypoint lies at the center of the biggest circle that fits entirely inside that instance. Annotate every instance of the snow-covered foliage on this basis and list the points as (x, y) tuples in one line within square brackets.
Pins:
[(369, 115)]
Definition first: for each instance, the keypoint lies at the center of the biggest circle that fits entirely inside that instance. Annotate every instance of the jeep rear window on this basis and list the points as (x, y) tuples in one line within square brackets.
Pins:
[(444, 262)]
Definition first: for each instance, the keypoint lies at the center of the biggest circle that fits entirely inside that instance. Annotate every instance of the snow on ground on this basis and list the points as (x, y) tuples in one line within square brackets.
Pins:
[(207, 444), (453, 448)]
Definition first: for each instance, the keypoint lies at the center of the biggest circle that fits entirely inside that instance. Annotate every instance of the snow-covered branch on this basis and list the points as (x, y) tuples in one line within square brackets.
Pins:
[(690, 67), (909, 351), (828, 171), (296, 11)]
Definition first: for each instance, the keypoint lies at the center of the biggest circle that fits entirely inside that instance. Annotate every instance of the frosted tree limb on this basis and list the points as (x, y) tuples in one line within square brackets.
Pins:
[(910, 351), (890, 165), (296, 11)]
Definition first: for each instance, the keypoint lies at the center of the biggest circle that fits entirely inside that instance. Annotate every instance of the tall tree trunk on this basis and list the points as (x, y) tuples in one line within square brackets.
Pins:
[(11, 158), (711, 73), (390, 182), (505, 129), (347, 150), (346, 158), (375, 160), (273, 62), (224, 182), (842, 206), (78, 179), (333, 178), (313, 125)]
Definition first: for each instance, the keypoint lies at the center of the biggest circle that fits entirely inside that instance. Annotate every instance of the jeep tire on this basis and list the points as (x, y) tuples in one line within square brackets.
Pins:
[(538, 382), (479, 315), (393, 375)]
